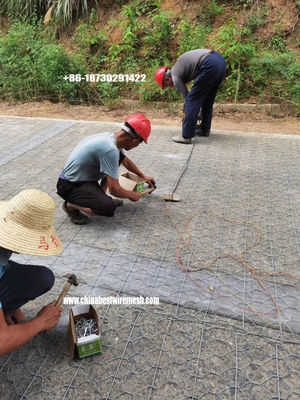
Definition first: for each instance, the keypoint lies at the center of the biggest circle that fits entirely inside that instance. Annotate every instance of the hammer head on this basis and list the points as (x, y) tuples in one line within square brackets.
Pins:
[(72, 279)]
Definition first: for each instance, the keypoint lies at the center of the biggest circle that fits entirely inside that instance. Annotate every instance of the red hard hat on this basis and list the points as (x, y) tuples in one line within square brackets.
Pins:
[(159, 76), (140, 124)]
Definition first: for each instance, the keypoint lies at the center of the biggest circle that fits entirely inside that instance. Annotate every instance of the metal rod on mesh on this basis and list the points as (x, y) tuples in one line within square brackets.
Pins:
[(172, 196)]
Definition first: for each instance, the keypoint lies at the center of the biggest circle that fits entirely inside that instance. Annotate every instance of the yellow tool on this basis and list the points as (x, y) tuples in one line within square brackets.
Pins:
[(148, 191), (171, 197)]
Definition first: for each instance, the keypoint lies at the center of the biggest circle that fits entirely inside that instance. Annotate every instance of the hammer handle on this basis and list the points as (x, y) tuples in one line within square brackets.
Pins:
[(148, 191), (63, 293)]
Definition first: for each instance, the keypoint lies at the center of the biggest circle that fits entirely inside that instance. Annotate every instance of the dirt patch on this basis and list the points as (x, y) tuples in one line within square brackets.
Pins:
[(171, 116), (282, 15)]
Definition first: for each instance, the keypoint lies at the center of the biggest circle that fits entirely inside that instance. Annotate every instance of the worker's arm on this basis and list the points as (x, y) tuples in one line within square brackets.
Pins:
[(130, 166), (180, 86), (104, 184), (14, 336), (116, 190)]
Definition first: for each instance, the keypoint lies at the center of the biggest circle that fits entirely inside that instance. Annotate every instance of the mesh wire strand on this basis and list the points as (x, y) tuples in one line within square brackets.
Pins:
[(194, 345)]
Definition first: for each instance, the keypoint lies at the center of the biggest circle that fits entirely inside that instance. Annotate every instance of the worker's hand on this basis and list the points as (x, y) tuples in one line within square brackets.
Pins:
[(150, 180), (48, 316), (14, 317), (135, 196)]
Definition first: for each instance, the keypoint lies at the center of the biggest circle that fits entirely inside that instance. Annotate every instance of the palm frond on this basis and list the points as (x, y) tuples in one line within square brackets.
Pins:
[(66, 10), (17, 8), (63, 11)]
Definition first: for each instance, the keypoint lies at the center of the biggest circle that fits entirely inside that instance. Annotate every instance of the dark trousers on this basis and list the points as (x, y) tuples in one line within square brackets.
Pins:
[(22, 283), (203, 93), (86, 194)]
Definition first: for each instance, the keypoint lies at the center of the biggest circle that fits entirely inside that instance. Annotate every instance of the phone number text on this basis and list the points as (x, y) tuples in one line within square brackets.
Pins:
[(105, 78)]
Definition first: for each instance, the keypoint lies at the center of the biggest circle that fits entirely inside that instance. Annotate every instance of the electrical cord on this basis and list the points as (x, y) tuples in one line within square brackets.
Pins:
[(254, 271)]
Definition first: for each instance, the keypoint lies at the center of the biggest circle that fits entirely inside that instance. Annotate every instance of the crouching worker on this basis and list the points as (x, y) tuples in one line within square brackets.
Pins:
[(96, 158), (26, 226)]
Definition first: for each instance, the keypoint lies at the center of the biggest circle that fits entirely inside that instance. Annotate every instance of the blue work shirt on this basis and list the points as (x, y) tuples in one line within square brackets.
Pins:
[(93, 158)]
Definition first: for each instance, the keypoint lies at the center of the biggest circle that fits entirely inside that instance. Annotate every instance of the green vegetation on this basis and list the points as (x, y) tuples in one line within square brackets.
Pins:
[(233, 44), (143, 36), (277, 75), (91, 43), (63, 12), (213, 10), (33, 68), (15, 8), (159, 35), (192, 37)]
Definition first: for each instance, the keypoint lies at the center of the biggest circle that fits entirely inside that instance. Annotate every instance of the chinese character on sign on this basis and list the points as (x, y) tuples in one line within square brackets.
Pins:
[(43, 244), (54, 240)]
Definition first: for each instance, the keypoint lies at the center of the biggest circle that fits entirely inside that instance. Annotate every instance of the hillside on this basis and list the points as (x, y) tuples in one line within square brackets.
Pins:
[(259, 39)]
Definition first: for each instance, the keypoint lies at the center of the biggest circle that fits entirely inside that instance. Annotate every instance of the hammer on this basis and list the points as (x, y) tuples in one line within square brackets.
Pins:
[(149, 191), (72, 280)]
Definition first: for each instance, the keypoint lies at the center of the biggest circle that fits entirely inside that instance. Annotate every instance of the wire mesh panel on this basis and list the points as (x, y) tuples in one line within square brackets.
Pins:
[(224, 263)]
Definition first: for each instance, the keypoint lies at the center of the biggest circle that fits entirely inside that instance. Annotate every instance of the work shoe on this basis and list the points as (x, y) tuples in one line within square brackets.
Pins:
[(180, 139), (207, 133), (117, 202), (200, 132), (76, 216)]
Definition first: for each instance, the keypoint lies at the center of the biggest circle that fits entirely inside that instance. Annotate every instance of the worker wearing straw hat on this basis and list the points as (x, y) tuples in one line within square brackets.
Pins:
[(26, 226)]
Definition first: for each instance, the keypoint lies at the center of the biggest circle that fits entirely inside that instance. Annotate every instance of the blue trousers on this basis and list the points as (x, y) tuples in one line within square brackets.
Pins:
[(22, 283), (202, 94)]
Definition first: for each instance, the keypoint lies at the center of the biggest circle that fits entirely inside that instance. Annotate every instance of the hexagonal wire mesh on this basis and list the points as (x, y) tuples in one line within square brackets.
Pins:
[(217, 332)]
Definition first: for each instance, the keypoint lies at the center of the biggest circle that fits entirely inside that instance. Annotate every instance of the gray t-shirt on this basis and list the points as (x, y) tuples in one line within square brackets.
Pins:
[(185, 69), (93, 158)]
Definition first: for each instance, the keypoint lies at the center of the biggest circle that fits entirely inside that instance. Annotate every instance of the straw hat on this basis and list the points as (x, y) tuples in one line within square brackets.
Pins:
[(26, 224)]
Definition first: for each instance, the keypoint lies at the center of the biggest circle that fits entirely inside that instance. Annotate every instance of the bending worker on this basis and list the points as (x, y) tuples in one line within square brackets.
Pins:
[(96, 158), (25, 227), (207, 68)]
